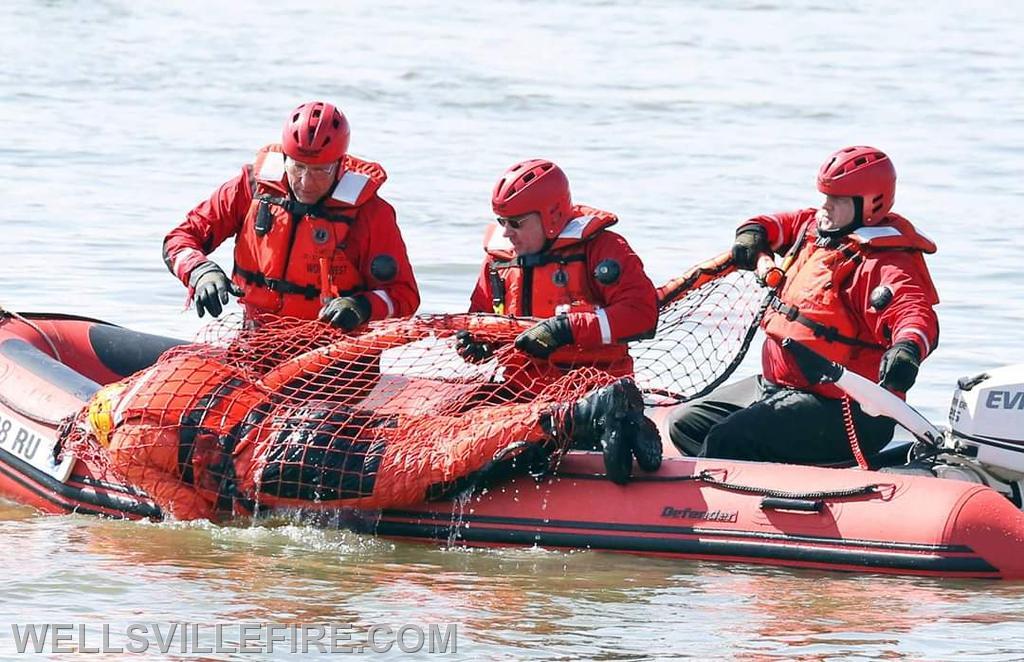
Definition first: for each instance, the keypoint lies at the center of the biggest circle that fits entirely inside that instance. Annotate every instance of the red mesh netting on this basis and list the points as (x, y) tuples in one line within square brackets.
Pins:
[(299, 414)]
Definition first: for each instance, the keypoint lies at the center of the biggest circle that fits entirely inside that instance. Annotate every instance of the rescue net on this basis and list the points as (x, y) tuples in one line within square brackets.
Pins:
[(707, 319), (295, 413)]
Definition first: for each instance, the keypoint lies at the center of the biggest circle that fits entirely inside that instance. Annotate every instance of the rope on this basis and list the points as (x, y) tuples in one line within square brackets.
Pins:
[(864, 490), (10, 313)]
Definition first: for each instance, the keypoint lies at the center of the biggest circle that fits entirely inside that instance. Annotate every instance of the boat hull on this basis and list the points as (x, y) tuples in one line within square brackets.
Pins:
[(809, 517)]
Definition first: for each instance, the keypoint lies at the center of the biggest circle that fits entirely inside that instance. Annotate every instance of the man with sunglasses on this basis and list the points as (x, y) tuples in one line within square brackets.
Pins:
[(550, 259), (313, 237)]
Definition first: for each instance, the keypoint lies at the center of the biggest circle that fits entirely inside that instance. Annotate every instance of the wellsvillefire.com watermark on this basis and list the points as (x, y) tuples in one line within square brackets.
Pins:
[(236, 637)]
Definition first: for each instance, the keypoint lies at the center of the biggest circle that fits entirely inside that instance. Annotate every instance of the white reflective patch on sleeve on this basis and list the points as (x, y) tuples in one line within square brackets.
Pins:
[(574, 228), (181, 257), (867, 234), (350, 187), (606, 327), (387, 301), (272, 169), (918, 333)]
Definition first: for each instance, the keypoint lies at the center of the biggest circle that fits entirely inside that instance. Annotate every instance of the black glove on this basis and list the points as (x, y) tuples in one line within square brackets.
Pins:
[(751, 241), (472, 351), (346, 312), (900, 363), (211, 287), (545, 337)]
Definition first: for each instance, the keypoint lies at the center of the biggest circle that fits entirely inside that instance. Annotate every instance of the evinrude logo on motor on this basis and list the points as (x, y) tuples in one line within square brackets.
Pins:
[(704, 515), (1004, 400)]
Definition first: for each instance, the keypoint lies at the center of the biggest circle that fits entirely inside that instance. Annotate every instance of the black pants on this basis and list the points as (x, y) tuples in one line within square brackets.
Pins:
[(754, 419)]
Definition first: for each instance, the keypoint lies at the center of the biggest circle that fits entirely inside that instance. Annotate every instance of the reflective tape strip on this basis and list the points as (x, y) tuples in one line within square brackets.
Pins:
[(575, 227), (349, 187), (387, 300), (272, 168), (918, 333), (606, 327), (867, 234)]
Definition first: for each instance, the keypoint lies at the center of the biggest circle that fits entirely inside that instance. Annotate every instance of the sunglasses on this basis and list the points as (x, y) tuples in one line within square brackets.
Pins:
[(515, 222)]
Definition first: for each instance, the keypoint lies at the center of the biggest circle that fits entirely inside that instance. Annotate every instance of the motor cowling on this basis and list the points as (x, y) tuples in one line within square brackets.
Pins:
[(986, 419)]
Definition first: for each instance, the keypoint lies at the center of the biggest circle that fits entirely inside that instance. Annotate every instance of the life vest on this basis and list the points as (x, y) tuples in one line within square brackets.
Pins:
[(550, 282), (290, 257), (810, 307), (554, 281)]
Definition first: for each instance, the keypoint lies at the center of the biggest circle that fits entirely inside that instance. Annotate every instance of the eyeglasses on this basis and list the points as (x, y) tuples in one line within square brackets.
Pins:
[(515, 222), (299, 169)]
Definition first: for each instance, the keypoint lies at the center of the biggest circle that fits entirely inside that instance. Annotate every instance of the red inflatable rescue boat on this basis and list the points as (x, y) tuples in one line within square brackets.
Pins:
[(838, 519)]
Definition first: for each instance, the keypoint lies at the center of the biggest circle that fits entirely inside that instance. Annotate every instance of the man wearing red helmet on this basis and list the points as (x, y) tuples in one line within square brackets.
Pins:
[(313, 237), (856, 290), (551, 259)]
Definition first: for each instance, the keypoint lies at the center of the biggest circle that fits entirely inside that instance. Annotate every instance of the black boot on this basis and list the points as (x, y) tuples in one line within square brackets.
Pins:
[(604, 420), (592, 413), (632, 435), (646, 443)]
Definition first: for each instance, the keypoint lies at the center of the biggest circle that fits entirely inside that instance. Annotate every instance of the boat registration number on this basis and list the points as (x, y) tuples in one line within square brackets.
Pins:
[(33, 448)]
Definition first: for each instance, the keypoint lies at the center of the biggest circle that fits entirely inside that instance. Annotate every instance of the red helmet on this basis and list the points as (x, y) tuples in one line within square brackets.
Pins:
[(316, 133), (863, 172), (538, 186)]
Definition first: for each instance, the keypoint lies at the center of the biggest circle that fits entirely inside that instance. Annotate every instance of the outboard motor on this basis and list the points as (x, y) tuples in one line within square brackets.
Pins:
[(985, 439), (986, 420)]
